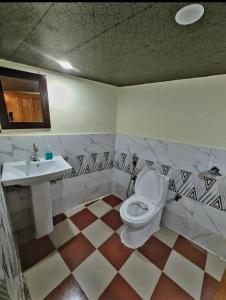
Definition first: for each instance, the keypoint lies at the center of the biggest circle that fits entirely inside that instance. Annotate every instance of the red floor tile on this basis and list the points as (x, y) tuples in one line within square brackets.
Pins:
[(166, 289), (156, 251), (76, 251), (66, 290), (83, 218), (114, 251), (112, 219), (35, 250), (112, 200), (59, 218), (192, 252), (209, 287), (119, 289)]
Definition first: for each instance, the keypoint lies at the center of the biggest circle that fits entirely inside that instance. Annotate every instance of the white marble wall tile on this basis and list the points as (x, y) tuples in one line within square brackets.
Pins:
[(121, 177), (79, 197), (20, 147), (212, 242), (177, 223), (211, 218), (85, 182), (184, 207), (181, 156), (119, 191), (197, 233)]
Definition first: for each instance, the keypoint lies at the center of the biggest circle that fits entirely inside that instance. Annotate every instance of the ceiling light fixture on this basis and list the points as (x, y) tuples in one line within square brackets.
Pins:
[(189, 14), (65, 64)]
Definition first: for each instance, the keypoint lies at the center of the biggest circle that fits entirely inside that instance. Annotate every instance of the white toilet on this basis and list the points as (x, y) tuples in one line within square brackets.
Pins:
[(141, 213)]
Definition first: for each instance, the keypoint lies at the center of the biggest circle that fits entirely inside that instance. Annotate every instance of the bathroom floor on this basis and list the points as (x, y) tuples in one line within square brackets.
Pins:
[(83, 258)]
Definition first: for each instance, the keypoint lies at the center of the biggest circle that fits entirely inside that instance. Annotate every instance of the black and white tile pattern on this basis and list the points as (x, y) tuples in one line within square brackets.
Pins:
[(186, 165), (207, 189)]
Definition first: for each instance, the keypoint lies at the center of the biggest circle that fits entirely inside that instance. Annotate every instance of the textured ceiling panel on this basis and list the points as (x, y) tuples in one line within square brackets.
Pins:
[(145, 49), (67, 26), (16, 21), (116, 43)]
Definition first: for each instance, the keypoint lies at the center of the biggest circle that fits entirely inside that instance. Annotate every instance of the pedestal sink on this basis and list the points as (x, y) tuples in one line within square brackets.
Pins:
[(37, 174)]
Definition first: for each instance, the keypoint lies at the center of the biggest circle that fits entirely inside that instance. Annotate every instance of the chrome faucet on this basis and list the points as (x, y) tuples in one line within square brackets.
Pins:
[(35, 157)]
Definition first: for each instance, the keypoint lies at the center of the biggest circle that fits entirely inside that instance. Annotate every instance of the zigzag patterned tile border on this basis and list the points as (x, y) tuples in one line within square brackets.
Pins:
[(208, 190)]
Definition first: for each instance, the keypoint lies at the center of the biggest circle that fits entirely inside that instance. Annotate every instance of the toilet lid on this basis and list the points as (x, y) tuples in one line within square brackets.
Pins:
[(149, 185)]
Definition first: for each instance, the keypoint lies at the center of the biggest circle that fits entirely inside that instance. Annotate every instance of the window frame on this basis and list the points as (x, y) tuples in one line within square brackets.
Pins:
[(4, 120)]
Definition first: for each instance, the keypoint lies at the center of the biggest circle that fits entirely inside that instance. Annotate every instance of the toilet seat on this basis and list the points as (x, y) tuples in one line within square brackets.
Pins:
[(143, 203)]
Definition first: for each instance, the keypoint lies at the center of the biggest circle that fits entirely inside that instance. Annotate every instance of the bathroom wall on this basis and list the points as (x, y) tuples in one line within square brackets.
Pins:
[(91, 157), (83, 121), (200, 213), (177, 127), (190, 111), (76, 105)]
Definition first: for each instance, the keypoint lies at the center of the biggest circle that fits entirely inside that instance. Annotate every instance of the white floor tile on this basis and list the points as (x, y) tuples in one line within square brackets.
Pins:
[(73, 211), (99, 208), (141, 274), (215, 266), (167, 236), (63, 232), (118, 207), (186, 274), (44, 276), (119, 230), (97, 233), (94, 275)]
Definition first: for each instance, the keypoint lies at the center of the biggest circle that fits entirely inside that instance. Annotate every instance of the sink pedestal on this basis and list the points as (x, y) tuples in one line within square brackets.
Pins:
[(42, 208), (37, 174)]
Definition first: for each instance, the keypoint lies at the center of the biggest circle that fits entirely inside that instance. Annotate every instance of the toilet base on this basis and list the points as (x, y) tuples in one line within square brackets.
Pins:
[(128, 242), (134, 238)]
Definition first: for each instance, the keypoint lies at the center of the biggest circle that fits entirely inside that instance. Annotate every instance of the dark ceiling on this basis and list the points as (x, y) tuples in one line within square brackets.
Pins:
[(118, 43)]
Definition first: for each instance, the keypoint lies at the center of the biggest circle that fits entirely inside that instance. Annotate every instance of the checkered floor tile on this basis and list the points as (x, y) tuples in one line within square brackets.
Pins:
[(83, 258)]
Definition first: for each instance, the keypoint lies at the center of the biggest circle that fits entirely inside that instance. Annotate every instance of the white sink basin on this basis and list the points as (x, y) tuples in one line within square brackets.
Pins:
[(37, 174), (28, 173)]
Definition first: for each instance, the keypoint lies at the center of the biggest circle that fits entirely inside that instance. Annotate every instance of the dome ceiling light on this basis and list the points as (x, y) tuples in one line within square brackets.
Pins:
[(189, 14)]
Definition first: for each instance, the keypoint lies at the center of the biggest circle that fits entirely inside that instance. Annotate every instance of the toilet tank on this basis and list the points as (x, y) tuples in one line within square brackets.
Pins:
[(152, 185)]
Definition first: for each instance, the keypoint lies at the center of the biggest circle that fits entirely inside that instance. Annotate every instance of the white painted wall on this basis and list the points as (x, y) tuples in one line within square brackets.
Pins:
[(76, 105), (190, 111)]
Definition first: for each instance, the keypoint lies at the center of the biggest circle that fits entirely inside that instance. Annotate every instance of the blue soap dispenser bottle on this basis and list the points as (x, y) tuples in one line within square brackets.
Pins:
[(49, 153)]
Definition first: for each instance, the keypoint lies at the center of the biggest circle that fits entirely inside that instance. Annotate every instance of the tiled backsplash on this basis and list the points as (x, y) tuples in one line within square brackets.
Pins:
[(89, 153), (206, 189), (91, 157), (185, 165), (20, 147)]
